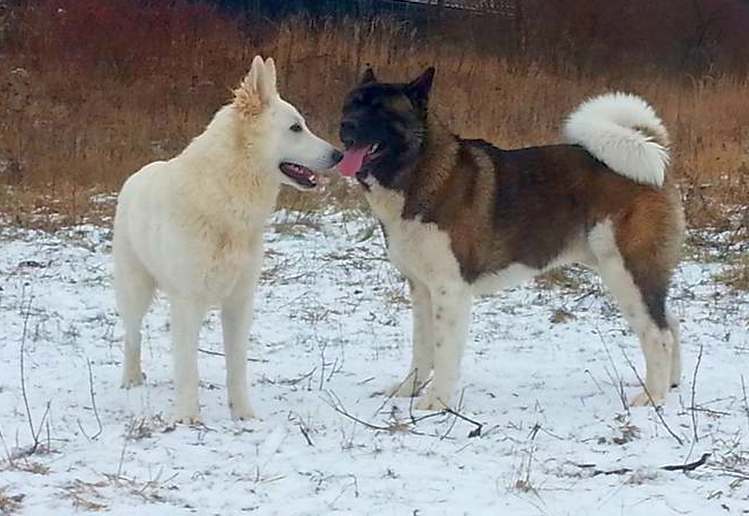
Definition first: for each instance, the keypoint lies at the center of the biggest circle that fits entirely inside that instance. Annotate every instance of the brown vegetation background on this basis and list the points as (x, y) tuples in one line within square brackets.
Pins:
[(91, 90)]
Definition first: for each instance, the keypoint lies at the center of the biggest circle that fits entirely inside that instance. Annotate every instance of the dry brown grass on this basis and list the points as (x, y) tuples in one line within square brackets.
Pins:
[(10, 504), (93, 90), (736, 275)]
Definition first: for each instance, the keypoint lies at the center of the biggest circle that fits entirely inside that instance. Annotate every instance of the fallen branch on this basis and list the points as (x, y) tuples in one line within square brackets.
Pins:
[(398, 425), (336, 405), (455, 418), (476, 432), (691, 466), (396, 389), (219, 354), (302, 428), (305, 433), (620, 471)]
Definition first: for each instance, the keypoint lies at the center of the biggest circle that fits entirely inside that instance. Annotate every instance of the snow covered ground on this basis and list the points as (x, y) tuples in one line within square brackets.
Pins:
[(542, 428)]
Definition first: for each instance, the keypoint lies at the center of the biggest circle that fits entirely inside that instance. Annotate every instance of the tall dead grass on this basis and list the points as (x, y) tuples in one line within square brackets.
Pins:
[(92, 91)]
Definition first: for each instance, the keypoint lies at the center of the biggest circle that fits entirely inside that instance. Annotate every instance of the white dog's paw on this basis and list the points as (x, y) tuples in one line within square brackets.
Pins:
[(132, 379), (431, 401), (405, 389), (241, 412), (187, 413), (188, 419), (643, 400)]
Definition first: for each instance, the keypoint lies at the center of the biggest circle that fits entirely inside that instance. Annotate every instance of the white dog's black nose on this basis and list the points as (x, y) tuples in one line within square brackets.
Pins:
[(336, 156)]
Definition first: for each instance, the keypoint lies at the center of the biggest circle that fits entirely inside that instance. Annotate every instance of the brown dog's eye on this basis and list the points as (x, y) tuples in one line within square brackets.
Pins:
[(296, 128)]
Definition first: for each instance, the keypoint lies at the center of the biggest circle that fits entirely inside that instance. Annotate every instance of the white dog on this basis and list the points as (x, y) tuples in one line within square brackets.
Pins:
[(193, 227)]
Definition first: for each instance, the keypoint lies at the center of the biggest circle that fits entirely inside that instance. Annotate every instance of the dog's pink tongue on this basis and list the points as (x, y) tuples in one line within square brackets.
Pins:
[(352, 160)]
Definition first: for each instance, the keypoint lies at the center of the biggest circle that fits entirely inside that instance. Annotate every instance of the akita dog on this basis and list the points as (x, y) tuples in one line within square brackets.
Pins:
[(463, 218), (193, 227)]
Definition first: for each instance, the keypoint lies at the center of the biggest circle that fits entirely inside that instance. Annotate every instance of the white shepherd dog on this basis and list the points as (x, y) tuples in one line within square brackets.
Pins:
[(193, 227)]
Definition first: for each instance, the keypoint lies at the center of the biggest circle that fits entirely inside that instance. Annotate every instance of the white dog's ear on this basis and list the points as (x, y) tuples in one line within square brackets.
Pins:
[(267, 82), (247, 96)]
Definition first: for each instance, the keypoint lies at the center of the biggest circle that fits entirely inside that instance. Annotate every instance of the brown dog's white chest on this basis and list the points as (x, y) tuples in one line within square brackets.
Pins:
[(421, 251)]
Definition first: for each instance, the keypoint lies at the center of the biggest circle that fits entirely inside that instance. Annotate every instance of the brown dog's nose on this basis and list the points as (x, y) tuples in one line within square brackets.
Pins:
[(346, 133), (336, 156)]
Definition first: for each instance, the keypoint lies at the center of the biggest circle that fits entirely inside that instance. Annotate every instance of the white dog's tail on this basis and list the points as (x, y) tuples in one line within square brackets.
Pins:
[(623, 131)]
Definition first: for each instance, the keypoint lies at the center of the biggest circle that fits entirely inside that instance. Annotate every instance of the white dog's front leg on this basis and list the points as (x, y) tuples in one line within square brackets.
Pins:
[(422, 341), (187, 317), (451, 316), (236, 317)]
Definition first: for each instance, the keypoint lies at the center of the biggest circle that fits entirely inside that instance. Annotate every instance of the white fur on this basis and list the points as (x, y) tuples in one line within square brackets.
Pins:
[(442, 301), (607, 127), (192, 227), (660, 347)]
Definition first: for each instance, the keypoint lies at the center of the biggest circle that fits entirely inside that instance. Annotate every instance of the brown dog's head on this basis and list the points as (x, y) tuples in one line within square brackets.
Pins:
[(383, 127)]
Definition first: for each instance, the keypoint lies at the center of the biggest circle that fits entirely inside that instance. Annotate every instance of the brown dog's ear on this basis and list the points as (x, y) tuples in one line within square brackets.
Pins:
[(368, 76), (418, 89)]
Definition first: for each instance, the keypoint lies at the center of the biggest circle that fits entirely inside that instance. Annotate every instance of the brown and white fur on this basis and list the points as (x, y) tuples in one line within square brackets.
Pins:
[(463, 218), (193, 227)]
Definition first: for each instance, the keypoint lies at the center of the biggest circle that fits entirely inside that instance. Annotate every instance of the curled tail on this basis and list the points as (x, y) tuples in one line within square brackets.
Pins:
[(624, 132)]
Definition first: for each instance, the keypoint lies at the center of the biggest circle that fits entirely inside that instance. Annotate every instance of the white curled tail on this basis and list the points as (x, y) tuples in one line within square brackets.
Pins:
[(624, 132)]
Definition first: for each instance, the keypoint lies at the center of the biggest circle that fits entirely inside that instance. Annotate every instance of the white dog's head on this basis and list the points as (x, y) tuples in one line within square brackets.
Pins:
[(284, 142)]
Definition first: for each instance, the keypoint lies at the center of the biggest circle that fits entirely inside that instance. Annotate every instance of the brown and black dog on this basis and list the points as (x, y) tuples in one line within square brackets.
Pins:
[(463, 218)]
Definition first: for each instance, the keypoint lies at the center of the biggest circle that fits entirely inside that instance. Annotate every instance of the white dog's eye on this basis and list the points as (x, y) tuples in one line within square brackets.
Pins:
[(296, 128)]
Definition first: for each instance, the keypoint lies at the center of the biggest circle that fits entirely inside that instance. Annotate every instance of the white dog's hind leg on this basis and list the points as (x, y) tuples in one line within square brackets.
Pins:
[(422, 341), (187, 317), (134, 289), (451, 316), (236, 317)]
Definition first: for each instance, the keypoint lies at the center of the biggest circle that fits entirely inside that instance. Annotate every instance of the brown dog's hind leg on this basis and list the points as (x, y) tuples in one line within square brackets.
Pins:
[(640, 290), (673, 324)]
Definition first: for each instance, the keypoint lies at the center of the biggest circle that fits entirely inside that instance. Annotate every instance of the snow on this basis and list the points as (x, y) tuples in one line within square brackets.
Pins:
[(331, 329)]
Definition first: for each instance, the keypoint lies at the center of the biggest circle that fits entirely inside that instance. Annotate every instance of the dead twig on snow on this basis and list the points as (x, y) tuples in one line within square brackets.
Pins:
[(695, 436), (93, 405), (691, 466), (35, 432), (746, 403), (219, 354), (652, 401)]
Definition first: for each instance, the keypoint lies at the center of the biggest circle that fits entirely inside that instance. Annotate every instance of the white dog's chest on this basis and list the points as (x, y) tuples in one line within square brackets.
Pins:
[(228, 264), (223, 271), (208, 265)]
